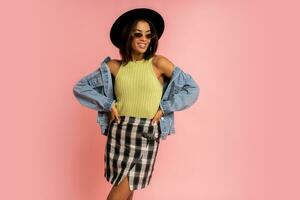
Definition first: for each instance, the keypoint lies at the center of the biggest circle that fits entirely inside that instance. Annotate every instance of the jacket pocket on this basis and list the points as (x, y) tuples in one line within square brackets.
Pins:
[(95, 80), (97, 84), (175, 89)]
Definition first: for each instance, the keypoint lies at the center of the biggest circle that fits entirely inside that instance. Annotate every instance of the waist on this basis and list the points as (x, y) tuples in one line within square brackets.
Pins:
[(135, 121), (137, 109)]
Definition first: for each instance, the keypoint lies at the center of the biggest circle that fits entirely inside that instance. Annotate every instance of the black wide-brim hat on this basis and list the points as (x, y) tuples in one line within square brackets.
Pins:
[(127, 17)]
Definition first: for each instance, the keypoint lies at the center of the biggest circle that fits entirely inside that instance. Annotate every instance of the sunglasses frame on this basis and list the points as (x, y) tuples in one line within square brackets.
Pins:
[(139, 35)]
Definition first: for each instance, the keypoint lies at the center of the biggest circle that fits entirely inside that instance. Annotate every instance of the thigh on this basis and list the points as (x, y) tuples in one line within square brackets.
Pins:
[(121, 191)]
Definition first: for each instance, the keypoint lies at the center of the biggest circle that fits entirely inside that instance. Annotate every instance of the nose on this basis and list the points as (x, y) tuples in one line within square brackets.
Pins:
[(143, 37)]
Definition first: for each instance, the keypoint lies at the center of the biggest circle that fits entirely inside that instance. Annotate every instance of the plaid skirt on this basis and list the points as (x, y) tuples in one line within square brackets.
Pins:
[(131, 149)]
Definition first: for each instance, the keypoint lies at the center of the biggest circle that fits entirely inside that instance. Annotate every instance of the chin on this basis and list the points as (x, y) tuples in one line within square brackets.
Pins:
[(141, 50)]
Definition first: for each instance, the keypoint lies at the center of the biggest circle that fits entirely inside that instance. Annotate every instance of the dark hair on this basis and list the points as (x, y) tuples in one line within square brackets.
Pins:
[(126, 38)]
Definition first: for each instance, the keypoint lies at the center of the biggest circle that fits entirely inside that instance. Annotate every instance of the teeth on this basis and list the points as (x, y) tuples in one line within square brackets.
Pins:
[(142, 45)]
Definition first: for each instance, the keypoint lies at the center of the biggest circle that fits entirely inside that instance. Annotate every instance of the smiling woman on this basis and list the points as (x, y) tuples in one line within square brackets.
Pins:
[(135, 93), (140, 40), (142, 37)]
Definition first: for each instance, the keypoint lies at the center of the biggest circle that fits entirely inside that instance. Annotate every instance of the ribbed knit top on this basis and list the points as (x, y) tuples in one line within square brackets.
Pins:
[(138, 90)]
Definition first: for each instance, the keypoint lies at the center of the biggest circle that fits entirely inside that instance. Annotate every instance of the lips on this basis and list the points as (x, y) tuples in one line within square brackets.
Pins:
[(141, 45)]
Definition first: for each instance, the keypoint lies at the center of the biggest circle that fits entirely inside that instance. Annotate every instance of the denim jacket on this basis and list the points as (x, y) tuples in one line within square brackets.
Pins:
[(96, 91)]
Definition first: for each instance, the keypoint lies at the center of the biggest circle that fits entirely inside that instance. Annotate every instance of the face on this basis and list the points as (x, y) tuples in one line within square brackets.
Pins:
[(140, 42)]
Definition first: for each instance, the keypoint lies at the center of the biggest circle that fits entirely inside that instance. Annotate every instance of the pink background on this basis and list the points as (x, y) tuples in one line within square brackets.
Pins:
[(240, 141)]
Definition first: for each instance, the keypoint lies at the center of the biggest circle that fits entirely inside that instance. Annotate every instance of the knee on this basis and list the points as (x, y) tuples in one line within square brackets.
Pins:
[(130, 196), (115, 196)]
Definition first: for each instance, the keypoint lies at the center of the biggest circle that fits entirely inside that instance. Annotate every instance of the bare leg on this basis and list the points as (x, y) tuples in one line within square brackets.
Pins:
[(121, 191), (130, 197)]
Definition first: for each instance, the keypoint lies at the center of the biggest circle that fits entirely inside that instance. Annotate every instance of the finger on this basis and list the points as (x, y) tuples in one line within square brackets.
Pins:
[(157, 117), (118, 117), (154, 120), (111, 119)]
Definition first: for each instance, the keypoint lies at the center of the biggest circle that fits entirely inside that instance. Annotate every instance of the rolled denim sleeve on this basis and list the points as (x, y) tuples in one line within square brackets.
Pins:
[(184, 96), (85, 91)]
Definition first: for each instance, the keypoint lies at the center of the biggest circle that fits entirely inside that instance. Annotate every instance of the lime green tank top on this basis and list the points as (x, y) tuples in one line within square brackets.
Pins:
[(138, 90)]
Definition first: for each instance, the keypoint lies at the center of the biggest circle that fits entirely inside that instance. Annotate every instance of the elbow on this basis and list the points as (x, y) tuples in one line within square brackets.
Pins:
[(75, 90), (79, 86), (197, 91), (195, 94)]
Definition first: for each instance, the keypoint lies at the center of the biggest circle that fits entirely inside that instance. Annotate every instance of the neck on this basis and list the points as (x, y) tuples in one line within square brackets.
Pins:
[(137, 56)]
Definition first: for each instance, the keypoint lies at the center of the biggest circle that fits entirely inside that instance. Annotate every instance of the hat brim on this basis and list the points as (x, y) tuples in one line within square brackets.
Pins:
[(145, 13)]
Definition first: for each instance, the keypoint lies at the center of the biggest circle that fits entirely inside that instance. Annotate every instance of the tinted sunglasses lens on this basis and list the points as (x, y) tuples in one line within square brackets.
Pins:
[(148, 36), (137, 35)]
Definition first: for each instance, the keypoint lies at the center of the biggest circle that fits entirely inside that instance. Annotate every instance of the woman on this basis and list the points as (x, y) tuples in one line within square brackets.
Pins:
[(146, 88)]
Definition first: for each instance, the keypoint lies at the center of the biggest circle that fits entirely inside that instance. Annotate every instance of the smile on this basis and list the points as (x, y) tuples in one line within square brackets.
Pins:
[(141, 45)]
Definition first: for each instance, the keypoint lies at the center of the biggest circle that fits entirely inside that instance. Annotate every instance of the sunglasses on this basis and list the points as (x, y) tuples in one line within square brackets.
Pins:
[(139, 35)]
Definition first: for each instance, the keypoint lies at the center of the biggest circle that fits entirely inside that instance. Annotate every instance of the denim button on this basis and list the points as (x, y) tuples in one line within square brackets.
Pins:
[(162, 118)]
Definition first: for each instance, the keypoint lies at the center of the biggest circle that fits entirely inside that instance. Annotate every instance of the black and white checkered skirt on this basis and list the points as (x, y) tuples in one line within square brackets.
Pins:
[(131, 149)]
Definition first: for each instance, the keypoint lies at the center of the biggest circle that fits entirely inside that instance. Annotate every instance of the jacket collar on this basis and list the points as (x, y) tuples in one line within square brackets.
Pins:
[(106, 76)]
